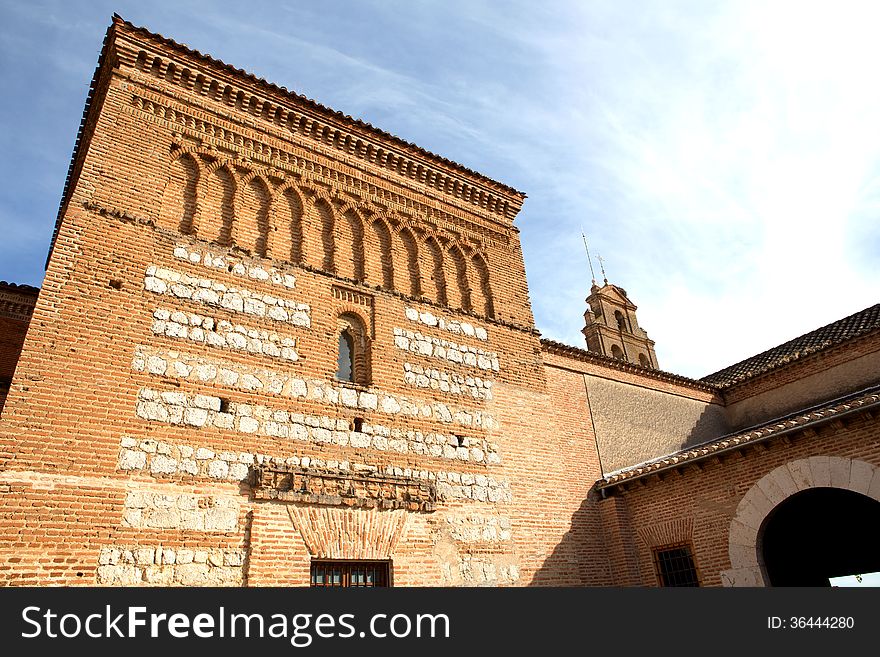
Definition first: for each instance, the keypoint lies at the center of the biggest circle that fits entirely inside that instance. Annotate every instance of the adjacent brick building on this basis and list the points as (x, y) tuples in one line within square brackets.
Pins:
[(278, 346)]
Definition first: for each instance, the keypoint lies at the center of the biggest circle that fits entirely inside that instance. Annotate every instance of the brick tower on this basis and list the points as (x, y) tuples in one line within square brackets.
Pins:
[(611, 328), (272, 338)]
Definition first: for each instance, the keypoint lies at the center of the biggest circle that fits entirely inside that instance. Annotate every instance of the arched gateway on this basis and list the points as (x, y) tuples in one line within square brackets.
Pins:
[(805, 522)]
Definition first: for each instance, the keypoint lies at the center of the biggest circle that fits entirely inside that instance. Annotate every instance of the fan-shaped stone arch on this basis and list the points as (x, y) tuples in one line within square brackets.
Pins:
[(179, 199), (252, 231), (217, 210), (350, 245), (481, 298), (287, 231)]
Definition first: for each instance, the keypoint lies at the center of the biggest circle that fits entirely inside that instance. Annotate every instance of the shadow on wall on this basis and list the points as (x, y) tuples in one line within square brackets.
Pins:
[(711, 424), (581, 557)]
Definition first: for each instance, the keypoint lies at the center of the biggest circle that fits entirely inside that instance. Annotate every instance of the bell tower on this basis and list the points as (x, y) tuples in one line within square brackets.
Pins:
[(611, 328)]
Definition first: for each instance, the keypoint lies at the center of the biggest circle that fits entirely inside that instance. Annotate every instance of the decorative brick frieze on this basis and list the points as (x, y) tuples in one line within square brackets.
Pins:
[(234, 265), (351, 489), (129, 565), (17, 301), (162, 459), (179, 408), (217, 295), (424, 345), (184, 511), (445, 324), (448, 382), (187, 367), (221, 334)]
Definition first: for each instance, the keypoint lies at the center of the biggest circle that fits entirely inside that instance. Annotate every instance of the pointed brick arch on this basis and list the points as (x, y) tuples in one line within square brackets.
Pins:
[(252, 232), (288, 208), (217, 207), (458, 287), (381, 270), (319, 244), (434, 281), (406, 257), (746, 567), (350, 244), (179, 199), (482, 300)]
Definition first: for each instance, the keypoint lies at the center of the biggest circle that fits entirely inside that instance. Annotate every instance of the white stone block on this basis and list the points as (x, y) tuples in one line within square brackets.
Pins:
[(218, 469), (174, 398), (278, 314), (248, 425), (152, 284), (298, 388), (223, 420), (238, 471), (232, 301), (163, 465), (368, 400), (132, 460)]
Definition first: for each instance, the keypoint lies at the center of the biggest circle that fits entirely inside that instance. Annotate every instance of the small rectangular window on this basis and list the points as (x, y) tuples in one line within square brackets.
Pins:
[(675, 566), (351, 573)]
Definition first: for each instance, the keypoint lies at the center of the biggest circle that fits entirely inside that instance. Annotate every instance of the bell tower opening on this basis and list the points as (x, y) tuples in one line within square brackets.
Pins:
[(611, 327), (818, 534)]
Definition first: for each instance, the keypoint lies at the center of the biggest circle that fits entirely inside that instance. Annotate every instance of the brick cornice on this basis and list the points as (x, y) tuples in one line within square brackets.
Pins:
[(469, 182), (560, 349)]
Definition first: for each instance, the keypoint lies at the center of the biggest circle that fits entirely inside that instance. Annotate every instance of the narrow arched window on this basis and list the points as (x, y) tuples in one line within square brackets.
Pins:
[(621, 320), (353, 357), (345, 371), (643, 361), (617, 352)]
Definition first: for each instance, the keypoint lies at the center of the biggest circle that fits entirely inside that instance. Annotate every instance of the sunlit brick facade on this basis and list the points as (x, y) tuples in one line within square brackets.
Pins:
[(271, 336)]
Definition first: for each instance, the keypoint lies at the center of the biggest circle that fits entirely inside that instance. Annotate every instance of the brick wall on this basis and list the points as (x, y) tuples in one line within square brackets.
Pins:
[(217, 236), (696, 505), (16, 305), (805, 382), (638, 414)]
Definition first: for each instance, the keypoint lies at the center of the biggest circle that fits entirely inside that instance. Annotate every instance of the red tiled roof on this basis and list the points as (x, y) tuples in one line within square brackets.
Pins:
[(855, 325)]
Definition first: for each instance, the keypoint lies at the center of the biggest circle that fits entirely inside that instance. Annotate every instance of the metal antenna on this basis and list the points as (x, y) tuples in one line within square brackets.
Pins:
[(602, 267), (589, 259)]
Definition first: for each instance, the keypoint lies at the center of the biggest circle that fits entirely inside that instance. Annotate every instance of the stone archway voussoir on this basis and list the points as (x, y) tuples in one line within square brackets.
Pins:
[(840, 471), (741, 534), (772, 490), (874, 489), (781, 476), (821, 469), (801, 474), (742, 577), (860, 477)]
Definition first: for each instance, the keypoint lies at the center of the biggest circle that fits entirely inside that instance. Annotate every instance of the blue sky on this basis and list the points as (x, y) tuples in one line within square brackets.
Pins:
[(722, 157)]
